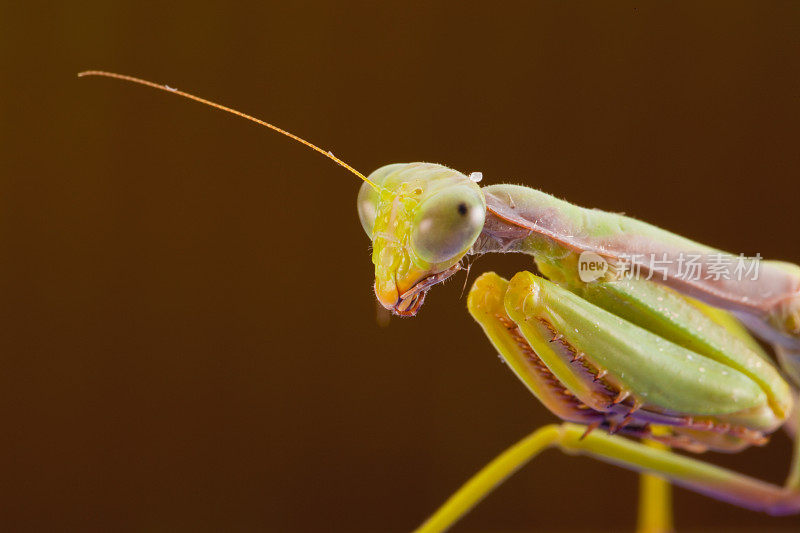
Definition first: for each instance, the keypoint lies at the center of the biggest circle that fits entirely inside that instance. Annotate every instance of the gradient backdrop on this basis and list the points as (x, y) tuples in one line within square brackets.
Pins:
[(189, 338)]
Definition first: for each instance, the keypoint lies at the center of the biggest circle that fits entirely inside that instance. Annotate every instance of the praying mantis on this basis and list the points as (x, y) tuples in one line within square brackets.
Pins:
[(634, 351)]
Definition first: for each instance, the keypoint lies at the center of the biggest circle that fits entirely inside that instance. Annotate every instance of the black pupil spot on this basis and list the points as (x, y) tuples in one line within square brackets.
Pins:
[(462, 209)]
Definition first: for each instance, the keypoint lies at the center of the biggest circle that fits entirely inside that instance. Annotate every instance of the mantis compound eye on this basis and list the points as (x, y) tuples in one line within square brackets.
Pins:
[(447, 224)]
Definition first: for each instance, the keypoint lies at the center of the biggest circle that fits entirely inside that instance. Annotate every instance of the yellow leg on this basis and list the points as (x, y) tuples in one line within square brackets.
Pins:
[(655, 501), (692, 474), (490, 476)]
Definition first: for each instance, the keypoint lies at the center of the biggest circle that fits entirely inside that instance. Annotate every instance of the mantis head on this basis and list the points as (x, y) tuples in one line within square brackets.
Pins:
[(422, 219)]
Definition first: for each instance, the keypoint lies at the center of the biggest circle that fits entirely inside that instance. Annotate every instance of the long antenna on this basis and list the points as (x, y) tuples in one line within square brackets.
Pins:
[(229, 110)]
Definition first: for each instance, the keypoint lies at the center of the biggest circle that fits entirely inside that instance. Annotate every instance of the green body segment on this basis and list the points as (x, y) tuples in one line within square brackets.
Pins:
[(765, 294), (694, 326), (586, 229), (660, 373)]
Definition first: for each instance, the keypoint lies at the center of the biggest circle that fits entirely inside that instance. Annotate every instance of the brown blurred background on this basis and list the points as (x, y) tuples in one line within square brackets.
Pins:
[(189, 337)]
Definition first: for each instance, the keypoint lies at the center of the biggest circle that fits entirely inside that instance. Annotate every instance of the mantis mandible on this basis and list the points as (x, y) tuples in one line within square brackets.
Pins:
[(658, 357)]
